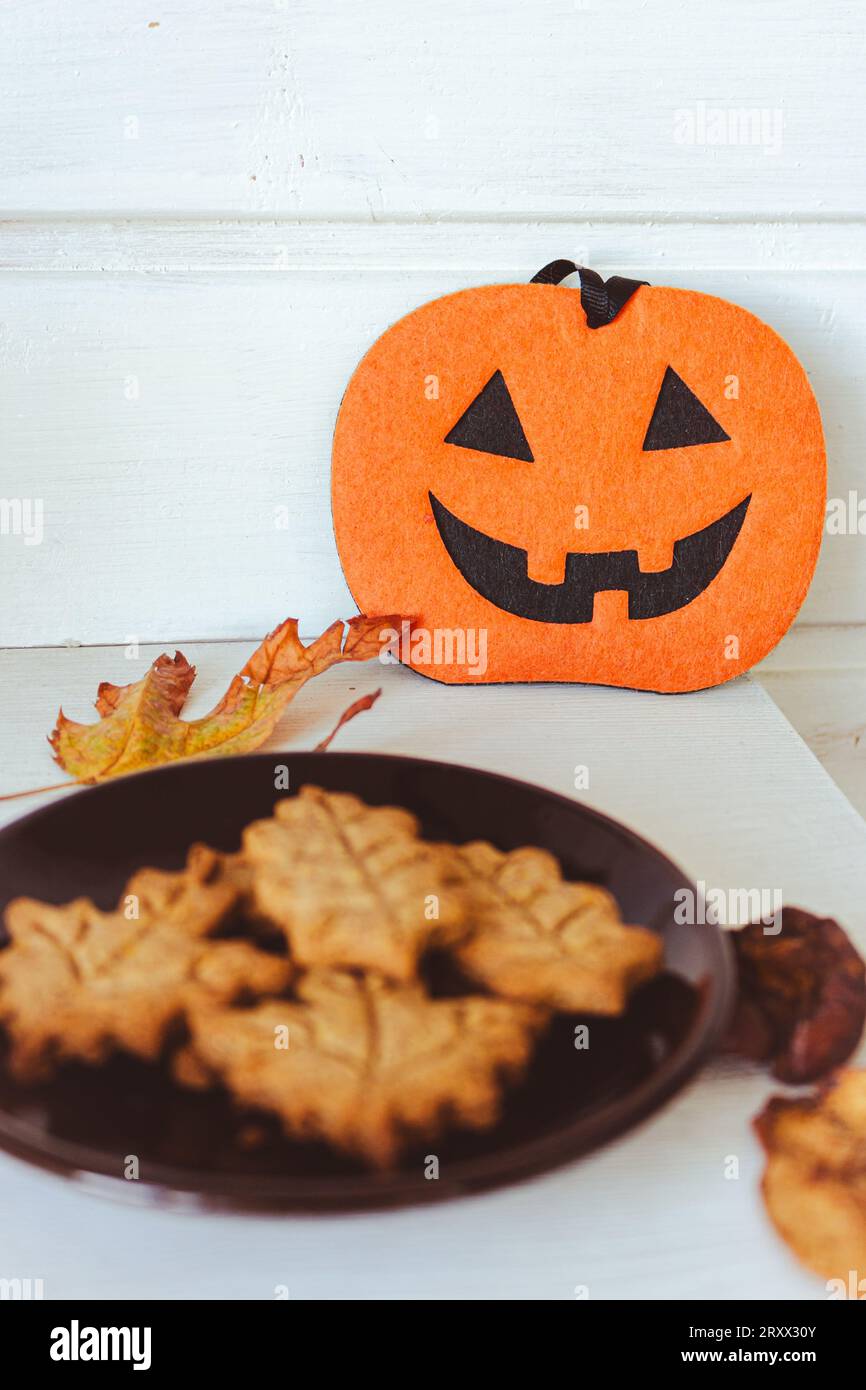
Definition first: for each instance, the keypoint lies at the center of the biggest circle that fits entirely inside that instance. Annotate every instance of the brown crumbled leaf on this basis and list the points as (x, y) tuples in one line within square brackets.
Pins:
[(537, 938), (366, 1064), (802, 996), (814, 1183), (351, 884)]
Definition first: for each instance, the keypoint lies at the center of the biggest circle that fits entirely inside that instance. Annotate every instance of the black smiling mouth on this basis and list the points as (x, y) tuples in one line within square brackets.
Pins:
[(498, 572)]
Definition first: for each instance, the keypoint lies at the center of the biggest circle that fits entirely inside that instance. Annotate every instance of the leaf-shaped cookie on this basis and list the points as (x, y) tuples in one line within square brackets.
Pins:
[(366, 1064), (352, 884), (814, 1184), (140, 724), (535, 937), (196, 899), (79, 983)]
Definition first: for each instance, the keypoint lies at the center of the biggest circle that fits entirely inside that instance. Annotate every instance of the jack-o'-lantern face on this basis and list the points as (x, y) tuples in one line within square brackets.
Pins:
[(635, 505)]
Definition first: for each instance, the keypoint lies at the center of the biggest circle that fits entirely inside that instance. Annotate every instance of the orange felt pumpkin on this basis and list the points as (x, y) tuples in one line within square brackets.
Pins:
[(623, 485)]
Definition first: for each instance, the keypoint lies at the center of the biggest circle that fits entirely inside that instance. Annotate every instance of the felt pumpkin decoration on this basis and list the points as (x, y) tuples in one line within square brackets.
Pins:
[(623, 484)]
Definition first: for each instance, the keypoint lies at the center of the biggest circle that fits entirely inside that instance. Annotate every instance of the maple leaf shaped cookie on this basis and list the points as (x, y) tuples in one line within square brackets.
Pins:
[(79, 983), (365, 1063), (538, 938), (351, 884), (198, 898), (213, 890)]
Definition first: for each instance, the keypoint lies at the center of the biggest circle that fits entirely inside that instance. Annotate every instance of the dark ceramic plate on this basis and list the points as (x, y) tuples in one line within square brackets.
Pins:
[(87, 1120)]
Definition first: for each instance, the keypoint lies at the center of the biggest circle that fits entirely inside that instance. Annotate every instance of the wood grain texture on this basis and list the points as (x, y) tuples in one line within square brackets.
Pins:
[(817, 677), (169, 393), (212, 212), (705, 737), (828, 710), (304, 107), (721, 782)]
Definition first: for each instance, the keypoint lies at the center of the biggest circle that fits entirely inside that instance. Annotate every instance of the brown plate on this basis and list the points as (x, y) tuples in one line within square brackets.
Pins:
[(88, 1119)]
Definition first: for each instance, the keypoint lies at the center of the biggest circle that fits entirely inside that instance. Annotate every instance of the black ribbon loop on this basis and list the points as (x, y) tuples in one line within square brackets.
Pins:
[(601, 300)]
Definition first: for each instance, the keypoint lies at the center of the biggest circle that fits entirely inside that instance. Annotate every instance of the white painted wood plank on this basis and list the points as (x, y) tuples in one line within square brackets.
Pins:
[(629, 740), (828, 710), (326, 107), (817, 677), (484, 248), (811, 677), (834, 647), (171, 421), (722, 783)]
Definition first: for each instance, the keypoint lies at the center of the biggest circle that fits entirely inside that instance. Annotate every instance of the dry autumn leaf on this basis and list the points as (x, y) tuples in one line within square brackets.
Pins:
[(140, 725), (802, 996)]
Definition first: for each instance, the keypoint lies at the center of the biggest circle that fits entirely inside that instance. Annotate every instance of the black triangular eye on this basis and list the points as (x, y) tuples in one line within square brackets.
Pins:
[(679, 419), (490, 424)]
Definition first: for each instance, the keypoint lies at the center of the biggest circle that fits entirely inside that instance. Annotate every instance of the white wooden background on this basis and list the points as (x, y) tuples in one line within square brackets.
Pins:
[(208, 212)]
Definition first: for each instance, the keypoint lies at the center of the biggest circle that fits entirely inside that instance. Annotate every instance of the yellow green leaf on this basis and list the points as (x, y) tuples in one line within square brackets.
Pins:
[(140, 724)]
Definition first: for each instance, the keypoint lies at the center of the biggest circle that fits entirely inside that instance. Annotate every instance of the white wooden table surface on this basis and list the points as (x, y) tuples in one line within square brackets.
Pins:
[(721, 782)]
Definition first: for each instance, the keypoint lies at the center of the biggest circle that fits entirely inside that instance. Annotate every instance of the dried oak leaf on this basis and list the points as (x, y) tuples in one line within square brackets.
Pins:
[(139, 724), (802, 996), (351, 884), (536, 937), (814, 1184), (366, 1064), (79, 983)]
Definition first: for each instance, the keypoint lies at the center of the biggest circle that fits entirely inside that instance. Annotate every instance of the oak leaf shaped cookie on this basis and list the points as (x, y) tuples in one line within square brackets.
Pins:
[(76, 982), (538, 938), (139, 725), (196, 899), (367, 1064), (814, 1184), (351, 884)]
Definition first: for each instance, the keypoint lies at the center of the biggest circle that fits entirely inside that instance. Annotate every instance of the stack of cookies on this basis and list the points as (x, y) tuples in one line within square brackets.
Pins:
[(293, 973)]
